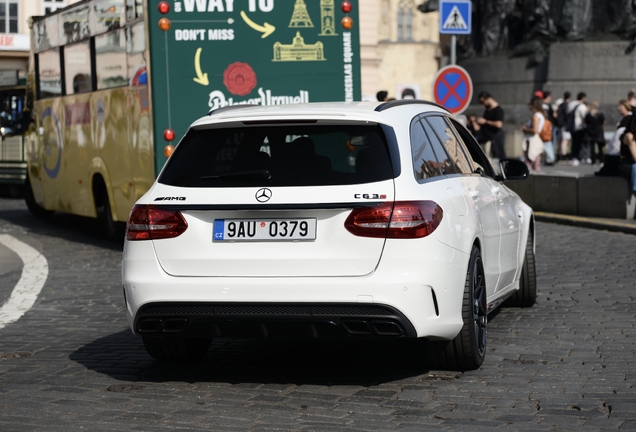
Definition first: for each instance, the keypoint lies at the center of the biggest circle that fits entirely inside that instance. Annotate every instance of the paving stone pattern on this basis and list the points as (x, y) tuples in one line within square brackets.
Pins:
[(567, 363)]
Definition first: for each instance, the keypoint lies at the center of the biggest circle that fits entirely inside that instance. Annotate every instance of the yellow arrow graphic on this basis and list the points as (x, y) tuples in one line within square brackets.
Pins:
[(267, 29), (201, 78)]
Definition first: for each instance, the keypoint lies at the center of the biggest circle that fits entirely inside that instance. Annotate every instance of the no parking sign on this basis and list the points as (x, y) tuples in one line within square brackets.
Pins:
[(453, 88)]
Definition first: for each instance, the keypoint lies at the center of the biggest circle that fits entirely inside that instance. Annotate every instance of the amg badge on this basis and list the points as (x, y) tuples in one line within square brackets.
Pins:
[(170, 199)]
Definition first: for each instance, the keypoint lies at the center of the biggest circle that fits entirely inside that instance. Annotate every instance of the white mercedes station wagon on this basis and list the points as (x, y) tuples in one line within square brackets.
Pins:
[(328, 220)]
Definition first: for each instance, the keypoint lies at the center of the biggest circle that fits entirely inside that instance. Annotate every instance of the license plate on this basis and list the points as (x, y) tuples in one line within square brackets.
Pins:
[(264, 229)]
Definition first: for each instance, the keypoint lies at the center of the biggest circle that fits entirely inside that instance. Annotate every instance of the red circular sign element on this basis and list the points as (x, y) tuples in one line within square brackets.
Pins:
[(168, 135), (239, 78), (346, 6), (164, 7), (453, 88)]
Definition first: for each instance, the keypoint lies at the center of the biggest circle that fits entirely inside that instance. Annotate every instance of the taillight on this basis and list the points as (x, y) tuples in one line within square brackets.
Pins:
[(152, 223), (402, 219)]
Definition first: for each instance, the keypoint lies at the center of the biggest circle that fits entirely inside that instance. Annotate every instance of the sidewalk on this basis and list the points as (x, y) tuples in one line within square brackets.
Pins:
[(565, 169), (627, 226)]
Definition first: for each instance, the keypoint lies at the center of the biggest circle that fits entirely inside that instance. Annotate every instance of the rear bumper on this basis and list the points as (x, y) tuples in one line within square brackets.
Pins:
[(418, 293), (272, 321)]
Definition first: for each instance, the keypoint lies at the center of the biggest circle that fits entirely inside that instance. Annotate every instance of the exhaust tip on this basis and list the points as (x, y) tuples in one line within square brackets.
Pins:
[(149, 326), (387, 328), (357, 327), (174, 325)]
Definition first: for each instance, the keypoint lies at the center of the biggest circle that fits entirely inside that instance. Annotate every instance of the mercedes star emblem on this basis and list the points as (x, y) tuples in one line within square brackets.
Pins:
[(263, 195)]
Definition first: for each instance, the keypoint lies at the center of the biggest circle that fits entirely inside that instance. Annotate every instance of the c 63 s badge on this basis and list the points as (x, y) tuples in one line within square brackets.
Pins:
[(369, 196)]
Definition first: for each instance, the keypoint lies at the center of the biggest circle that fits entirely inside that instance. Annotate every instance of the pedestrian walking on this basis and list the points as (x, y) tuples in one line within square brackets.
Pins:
[(627, 166), (595, 137), (575, 124), (611, 160), (491, 133), (563, 137), (532, 142)]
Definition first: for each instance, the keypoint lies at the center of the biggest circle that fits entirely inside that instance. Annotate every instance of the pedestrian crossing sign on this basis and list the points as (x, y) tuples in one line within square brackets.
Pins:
[(455, 17)]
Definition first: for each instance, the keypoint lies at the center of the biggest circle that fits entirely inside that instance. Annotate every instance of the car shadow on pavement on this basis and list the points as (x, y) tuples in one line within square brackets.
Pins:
[(350, 362), (69, 227)]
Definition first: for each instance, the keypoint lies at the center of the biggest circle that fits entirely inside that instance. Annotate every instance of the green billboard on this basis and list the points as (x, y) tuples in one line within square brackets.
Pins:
[(218, 53)]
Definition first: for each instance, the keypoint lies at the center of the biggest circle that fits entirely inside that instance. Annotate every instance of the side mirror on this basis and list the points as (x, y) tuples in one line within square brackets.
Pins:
[(513, 169)]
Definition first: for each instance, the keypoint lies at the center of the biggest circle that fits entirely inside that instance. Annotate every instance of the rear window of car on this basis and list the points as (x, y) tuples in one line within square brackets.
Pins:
[(288, 155)]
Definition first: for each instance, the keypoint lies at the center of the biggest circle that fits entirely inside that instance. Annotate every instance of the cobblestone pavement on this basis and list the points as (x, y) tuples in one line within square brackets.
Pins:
[(71, 363)]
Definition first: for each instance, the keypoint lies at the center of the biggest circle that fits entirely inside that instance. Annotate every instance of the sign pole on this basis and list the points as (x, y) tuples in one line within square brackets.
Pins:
[(455, 18)]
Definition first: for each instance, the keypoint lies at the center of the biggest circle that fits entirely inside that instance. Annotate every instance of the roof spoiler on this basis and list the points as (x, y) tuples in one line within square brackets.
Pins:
[(393, 104), (230, 108)]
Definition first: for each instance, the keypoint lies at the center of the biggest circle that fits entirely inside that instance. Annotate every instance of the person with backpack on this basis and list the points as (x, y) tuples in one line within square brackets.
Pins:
[(532, 141), (549, 136), (575, 124), (563, 136)]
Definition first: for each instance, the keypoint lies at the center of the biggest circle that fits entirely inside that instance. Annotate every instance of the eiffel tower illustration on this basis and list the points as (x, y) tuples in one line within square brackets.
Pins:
[(300, 17)]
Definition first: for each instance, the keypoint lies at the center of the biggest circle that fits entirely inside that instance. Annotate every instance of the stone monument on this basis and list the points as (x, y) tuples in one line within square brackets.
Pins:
[(519, 46)]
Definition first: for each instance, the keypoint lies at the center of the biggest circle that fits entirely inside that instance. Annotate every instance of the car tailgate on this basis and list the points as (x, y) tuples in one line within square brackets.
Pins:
[(334, 252)]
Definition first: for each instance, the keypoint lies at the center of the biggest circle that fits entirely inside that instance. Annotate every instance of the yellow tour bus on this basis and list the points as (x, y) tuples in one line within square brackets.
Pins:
[(117, 82)]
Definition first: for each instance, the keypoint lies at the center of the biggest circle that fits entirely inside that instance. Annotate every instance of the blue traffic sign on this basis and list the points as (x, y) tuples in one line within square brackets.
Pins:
[(455, 17)]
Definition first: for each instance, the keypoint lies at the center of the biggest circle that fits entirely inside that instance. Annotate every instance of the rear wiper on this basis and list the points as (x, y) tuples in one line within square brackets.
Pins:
[(241, 175)]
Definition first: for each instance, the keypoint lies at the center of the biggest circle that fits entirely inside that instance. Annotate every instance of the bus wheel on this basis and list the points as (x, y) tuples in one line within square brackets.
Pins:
[(111, 228), (35, 209)]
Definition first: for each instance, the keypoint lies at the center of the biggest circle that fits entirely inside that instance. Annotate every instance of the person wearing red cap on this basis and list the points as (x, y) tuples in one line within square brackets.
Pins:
[(539, 94)]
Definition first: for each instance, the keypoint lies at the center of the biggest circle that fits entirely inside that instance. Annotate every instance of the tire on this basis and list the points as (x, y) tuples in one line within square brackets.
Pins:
[(526, 295), (468, 350), (112, 229), (34, 208), (176, 349)]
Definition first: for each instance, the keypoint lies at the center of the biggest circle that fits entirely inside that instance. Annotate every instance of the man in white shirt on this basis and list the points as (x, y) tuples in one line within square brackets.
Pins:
[(579, 108)]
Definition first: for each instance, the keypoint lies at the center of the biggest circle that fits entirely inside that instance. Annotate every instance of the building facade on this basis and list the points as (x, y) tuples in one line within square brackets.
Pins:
[(400, 48), (399, 44), (14, 33)]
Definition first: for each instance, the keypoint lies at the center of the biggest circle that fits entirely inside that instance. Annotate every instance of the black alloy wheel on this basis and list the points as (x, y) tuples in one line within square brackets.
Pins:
[(468, 350), (480, 306), (526, 295)]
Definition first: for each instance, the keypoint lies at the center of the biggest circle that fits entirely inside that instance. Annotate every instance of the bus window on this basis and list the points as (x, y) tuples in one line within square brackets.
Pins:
[(107, 15), (74, 25), (45, 33), (49, 73), (77, 68), (135, 49), (110, 60), (134, 9)]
